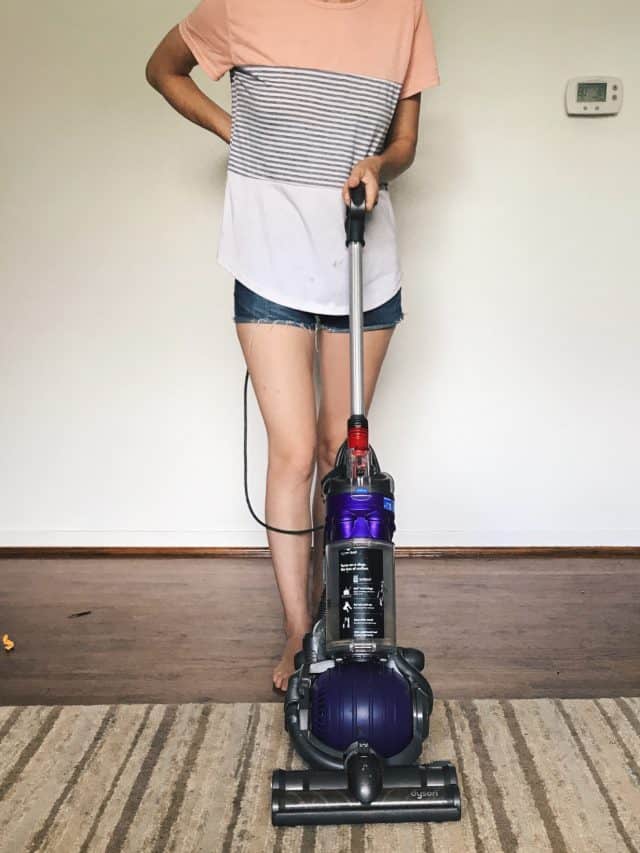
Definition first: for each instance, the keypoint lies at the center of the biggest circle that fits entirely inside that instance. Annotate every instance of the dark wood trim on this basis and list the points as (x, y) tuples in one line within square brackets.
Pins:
[(485, 553)]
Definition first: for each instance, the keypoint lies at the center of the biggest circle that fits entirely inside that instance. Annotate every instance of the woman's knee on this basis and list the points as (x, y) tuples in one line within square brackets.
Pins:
[(329, 443), (293, 460)]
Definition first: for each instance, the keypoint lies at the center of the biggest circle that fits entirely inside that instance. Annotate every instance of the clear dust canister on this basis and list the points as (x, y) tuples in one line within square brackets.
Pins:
[(360, 588)]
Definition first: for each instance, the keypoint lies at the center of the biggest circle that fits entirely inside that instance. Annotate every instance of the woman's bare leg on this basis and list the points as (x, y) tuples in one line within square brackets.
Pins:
[(279, 358), (335, 408)]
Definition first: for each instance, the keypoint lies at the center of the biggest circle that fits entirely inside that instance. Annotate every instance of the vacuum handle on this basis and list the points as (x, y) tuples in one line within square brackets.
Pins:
[(354, 220)]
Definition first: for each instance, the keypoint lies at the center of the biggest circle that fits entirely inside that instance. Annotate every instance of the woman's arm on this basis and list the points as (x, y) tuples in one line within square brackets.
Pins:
[(397, 156), (168, 71)]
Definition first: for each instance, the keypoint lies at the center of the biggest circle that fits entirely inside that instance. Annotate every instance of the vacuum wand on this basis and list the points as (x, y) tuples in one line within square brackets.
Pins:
[(354, 226), (358, 451)]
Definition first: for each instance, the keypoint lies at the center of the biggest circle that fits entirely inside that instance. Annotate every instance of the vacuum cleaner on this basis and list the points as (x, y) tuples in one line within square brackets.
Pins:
[(357, 707)]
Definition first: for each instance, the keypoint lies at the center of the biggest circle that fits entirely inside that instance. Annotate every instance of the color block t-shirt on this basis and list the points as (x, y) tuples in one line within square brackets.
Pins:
[(314, 87)]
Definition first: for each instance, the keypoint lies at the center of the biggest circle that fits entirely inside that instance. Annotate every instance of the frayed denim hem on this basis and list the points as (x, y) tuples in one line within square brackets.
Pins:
[(365, 328), (315, 328), (279, 322)]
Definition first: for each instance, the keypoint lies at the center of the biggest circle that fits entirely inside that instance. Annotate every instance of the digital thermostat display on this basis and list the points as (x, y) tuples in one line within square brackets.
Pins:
[(592, 92), (593, 96)]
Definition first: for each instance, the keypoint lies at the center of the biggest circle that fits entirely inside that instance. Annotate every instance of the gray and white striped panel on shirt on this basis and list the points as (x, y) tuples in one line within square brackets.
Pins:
[(305, 126)]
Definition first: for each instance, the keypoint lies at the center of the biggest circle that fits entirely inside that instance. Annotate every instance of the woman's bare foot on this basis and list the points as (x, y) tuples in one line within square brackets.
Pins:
[(286, 668)]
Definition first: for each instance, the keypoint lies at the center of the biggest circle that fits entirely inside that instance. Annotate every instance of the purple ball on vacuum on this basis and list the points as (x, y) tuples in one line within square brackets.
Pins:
[(365, 701)]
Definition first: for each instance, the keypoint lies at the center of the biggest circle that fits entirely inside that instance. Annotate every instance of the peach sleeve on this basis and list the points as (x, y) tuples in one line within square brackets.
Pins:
[(205, 31), (422, 71)]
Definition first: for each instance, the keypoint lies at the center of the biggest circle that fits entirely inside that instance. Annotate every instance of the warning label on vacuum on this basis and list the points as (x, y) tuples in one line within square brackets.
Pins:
[(361, 593)]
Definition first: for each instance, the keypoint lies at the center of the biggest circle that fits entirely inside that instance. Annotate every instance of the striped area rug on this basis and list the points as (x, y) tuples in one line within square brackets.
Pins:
[(536, 775)]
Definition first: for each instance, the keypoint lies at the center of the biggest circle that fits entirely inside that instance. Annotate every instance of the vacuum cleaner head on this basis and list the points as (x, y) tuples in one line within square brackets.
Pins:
[(365, 792)]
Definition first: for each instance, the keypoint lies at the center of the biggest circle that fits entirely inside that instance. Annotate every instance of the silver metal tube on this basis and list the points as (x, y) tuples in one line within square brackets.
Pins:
[(355, 325)]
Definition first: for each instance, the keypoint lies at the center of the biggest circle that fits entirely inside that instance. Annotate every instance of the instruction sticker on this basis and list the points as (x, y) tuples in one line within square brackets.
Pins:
[(361, 589)]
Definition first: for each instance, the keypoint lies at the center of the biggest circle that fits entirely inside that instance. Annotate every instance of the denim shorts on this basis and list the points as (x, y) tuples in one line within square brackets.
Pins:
[(250, 307)]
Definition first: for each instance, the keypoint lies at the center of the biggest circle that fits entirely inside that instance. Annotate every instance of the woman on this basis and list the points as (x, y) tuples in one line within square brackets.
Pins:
[(325, 94)]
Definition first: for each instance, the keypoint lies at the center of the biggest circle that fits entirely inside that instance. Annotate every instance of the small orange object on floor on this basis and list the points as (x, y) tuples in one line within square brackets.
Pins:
[(7, 643)]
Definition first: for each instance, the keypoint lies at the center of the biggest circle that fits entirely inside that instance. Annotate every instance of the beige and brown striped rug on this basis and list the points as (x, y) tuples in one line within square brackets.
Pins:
[(535, 775)]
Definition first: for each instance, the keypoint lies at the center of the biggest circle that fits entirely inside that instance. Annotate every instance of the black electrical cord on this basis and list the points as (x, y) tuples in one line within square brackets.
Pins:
[(246, 489)]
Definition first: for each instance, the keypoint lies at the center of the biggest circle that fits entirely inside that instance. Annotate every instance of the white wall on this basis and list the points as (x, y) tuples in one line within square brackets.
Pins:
[(508, 407)]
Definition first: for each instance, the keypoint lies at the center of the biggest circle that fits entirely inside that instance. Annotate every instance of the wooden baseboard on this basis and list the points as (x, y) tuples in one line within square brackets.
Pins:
[(483, 553)]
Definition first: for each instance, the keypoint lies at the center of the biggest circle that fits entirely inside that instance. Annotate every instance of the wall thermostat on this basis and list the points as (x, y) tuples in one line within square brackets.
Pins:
[(594, 96)]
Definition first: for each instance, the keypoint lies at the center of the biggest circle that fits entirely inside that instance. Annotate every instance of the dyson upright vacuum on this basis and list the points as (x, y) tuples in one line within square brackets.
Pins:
[(357, 707)]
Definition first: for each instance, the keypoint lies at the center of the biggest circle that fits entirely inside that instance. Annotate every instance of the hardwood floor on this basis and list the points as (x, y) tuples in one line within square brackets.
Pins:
[(195, 629)]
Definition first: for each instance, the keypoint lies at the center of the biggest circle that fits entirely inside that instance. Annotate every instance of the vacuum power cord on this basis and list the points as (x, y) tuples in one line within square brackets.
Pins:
[(246, 489)]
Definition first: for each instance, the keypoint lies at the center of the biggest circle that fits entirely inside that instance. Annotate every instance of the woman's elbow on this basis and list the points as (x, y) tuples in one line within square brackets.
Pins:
[(151, 73), (171, 57)]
